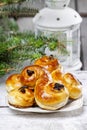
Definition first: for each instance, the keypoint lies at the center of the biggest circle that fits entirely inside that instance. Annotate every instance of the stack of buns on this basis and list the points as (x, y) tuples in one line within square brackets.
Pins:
[(43, 84)]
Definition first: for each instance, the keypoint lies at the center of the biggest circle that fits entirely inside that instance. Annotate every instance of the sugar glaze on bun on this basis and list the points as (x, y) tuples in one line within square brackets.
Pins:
[(13, 82), (50, 96), (73, 85), (49, 63), (31, 74), (21, 98), (57, 76)]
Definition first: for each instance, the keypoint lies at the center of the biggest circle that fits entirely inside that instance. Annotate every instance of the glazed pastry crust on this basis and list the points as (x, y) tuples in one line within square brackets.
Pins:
[(57, 76), (13, 82), (47, 97), (36, 72), (73, 85), (48, 62), (21, 98)]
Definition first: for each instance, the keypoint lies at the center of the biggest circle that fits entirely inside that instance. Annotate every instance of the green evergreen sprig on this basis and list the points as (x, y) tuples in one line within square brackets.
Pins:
[(3, 2), (21, 47), (14, 8), (17, 47)]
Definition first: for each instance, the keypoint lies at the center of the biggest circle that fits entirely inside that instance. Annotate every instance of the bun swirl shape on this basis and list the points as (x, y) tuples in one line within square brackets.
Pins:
[(13, 82), (73, 85), (48, 62), (21, 98), (31, 74), (49, 95)]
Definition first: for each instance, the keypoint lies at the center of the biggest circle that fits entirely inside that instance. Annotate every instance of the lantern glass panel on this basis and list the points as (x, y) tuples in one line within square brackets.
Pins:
[(67, 48), (57, 3)]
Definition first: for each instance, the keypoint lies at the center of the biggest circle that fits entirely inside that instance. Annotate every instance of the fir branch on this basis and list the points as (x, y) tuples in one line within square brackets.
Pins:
[(17, 10), (5, 2), (17, 47)]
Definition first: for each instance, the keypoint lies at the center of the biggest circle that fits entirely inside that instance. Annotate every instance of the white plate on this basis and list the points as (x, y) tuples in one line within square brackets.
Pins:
[(70, 106)]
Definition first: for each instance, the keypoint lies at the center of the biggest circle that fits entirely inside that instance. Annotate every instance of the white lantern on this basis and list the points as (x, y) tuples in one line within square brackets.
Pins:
[(63, 25)]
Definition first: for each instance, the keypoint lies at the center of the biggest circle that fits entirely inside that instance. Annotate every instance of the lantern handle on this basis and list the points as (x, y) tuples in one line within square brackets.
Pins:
[(35, 19)]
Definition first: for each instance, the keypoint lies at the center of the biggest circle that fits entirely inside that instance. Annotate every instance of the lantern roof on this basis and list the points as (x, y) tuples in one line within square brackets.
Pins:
[(57, 18)]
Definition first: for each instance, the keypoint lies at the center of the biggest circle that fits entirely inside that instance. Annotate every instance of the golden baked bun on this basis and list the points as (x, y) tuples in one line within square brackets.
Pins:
[(73, 85), (57, 76), (50, 96), (48, 62), (21, 98), (31, 74), (13, 82)]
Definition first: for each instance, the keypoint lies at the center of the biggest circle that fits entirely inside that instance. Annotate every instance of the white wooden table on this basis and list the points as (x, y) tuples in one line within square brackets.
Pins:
[(16, 120)]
